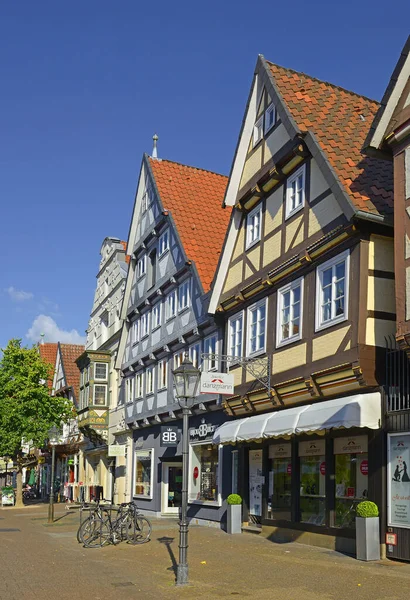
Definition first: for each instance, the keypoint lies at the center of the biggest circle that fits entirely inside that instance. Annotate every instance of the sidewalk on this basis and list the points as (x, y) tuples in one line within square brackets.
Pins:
[(40, 561)]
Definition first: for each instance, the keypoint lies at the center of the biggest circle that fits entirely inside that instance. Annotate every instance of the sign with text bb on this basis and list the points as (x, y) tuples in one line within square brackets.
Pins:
[(169, 436), (217, 383)]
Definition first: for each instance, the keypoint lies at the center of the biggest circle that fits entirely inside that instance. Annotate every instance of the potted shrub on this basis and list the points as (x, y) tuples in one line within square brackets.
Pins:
[(367, 531), (234, 524)]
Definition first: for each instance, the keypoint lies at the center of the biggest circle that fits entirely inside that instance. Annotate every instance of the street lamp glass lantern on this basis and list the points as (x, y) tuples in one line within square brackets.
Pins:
[(186, 379), (53, 434)]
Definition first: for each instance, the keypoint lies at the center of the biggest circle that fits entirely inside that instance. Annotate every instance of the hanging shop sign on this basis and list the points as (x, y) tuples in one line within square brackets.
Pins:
[(312, 448), (398, 478), (217, 383), (350, 445), (203, 431), (169, 436), (280, 450), (116, 450)]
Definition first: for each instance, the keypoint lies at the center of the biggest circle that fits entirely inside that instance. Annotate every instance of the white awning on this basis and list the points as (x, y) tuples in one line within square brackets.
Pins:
[(361, 410)]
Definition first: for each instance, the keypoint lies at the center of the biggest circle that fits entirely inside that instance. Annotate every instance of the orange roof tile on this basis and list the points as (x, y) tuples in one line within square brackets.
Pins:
[(48, 353), (69, 353), (195, 197), (127, 256), (340, 121)]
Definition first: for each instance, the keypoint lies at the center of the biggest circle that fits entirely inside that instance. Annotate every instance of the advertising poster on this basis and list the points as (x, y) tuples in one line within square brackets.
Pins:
[(399, 480), (256, 481)]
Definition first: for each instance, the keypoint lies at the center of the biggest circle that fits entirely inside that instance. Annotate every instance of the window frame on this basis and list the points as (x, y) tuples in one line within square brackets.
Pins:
[(152, 454), (187, 285), (162, 373), (231, 320), (218, 501), (250, 309), (173, 293), (157, 308), (331, 263), (249, 216), (191, 354), (289, 212), (106, 371), (281, 291), (129, 389), (163, 250), (135, 332), (145, 320), (270, 109), (139, 385), (206, 366), (149, 380), (257, 133), (102, 385), (142, 266)]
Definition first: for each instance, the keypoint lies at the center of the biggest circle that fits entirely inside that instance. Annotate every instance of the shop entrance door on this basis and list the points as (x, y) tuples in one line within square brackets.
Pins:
[(171, 487), (255, 486)]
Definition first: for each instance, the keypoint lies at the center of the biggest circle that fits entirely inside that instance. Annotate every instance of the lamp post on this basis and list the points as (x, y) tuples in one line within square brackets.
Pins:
[(186, 379), (53, 440)]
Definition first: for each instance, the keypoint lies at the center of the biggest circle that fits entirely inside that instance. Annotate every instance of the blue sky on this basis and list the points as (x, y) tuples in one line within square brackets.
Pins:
[(86, 84)]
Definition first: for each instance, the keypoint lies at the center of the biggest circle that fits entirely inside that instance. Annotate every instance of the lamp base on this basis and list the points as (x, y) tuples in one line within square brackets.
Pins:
[(182, 575)]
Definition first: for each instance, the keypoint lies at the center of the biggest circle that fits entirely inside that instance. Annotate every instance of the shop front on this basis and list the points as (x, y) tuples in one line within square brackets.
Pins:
[(303, 470), (157, 469)]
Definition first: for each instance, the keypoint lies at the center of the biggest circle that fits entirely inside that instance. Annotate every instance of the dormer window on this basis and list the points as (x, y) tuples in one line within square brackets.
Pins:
[(270, 115), (258, 131)]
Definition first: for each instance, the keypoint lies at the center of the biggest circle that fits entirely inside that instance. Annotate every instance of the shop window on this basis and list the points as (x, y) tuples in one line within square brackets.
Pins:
[(143, 473), (280, 477), (312, 482), (351, 468), (204, 463)]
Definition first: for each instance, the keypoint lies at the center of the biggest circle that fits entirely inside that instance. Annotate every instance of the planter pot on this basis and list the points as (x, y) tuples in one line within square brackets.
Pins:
[(234, 524), (367, 538)]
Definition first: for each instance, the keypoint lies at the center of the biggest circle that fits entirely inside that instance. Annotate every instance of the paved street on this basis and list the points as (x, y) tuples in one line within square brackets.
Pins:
[(40, 562)]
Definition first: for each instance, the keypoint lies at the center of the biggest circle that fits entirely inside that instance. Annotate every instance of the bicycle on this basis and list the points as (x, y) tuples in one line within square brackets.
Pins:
[(88, 526), (129, 524)]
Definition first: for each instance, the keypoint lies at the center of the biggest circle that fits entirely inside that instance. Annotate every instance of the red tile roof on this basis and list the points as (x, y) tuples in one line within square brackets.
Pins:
[(48, 353), (127, 256), (195, 197), (69, 353), (340, 121)]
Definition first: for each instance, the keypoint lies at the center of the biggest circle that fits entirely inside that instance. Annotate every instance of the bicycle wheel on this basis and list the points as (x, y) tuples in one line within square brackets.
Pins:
[(139, 530), (97, 535), (85, 529)]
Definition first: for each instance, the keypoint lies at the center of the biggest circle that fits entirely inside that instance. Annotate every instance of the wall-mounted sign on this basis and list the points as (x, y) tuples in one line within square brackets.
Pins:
[(364, 467), (391, 539), (350, 445), (116, 450), (203, 431), (217, 383), (280, 450), (398, 480), (169, 436), (312, 448)]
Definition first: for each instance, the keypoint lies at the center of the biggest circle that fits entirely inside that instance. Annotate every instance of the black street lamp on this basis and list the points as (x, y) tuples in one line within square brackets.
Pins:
[(53, 434), (186, 379)]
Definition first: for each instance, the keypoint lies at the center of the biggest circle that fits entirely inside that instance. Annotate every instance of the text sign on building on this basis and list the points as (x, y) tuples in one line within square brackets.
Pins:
[(398, 480), (116, 450), (350, 445), (280, 450), (217, 383), (313, 448), (203, 431), (169, 436)]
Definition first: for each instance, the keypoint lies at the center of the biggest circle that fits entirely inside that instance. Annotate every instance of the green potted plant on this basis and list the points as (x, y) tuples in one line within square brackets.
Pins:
[(234, 522), (367, 531)]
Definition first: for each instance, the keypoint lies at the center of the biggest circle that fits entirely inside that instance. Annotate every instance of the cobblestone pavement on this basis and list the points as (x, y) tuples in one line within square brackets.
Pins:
[(40, 561)]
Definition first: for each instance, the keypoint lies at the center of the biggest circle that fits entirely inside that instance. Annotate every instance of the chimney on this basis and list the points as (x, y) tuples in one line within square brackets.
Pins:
[(154, 150), (42, 339)]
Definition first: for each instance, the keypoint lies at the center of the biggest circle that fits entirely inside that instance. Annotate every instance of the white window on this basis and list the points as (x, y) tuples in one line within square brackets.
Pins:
[(183, 295), (156, 315), (256, 328), (142, 266), (172, 304), (163, 244), (100, 395), (178, 358), (100, 371), (206, 459), (195, 355), (86, 375), (253, 226), (81, 400), (144, 203), (163, 374), (150, 380), (86, 396), (235, 333), (210, 347), (258, 131), (332, 291), (143, 473), (289, 320), (139, 385), (145, 318), (270, 114), (295, 191), (129, 389), (136, 331)]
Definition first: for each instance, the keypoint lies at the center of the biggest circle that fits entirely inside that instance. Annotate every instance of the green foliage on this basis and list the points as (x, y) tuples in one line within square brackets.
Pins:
[(26, 408), (367, 509), (234, 499)]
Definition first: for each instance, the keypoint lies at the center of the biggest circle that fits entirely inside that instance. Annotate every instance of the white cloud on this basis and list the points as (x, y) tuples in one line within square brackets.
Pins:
[(52, 332), (18, 295)]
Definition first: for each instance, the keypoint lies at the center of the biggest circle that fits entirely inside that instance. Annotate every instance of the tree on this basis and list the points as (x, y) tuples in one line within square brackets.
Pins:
[(27, 411)]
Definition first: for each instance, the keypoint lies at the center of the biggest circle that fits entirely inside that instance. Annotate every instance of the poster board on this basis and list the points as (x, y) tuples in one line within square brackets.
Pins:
[(398, 480)]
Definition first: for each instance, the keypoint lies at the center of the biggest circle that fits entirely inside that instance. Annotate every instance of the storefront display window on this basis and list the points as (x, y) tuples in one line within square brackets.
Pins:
[(203, 480), (280, 476), (351, 471), (312, 482), (143, 473)]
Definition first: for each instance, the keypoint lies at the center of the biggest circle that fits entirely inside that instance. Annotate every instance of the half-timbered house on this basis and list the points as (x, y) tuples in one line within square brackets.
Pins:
[(305, 287)]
